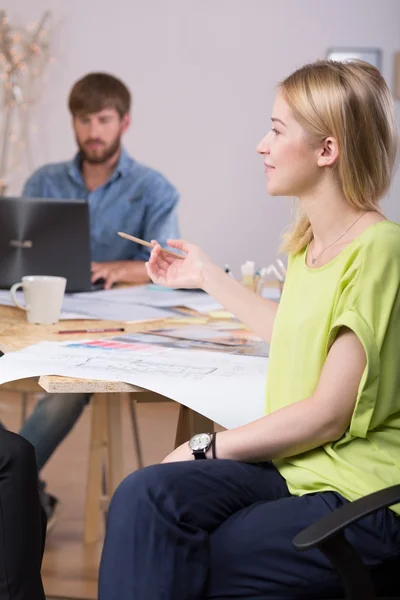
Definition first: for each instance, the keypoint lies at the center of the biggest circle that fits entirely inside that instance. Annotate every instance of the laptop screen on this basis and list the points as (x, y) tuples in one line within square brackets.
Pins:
[(45, 236)]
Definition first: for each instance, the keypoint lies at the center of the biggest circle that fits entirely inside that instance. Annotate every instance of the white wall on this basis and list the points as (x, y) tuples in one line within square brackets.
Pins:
[(203, 76)]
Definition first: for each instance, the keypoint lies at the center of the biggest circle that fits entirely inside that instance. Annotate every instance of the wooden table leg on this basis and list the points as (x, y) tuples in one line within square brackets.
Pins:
[(131, 398), (95, 464), (189, 423), (115, 455)]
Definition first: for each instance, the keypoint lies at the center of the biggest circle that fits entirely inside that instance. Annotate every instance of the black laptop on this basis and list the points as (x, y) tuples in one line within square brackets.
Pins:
[(45, 236)]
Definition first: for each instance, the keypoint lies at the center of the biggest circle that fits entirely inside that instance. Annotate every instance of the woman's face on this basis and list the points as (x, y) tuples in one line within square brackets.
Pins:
[(291, 161)]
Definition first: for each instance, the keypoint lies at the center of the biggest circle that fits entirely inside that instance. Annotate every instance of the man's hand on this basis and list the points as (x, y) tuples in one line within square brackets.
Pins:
[(122, 271)]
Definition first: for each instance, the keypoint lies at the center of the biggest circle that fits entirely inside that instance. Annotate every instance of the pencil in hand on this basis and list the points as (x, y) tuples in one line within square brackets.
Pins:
[(148, 244)]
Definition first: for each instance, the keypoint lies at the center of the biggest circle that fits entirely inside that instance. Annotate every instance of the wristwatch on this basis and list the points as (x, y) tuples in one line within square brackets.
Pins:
[(199, 444)]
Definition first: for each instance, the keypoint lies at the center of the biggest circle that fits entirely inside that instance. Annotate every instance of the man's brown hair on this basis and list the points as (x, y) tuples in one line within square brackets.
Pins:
[(97, 91)]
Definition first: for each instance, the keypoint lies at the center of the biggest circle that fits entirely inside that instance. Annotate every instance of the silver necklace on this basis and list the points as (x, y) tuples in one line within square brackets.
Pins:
[(315, 258)]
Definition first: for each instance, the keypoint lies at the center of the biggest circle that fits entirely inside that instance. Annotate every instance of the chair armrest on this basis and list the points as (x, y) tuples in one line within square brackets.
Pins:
[(340, 518)]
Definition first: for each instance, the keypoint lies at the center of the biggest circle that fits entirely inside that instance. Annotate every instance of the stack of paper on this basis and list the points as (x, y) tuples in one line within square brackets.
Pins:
[(138, 303), (5, 300), (107, 306), (153, 295), (110, 310)]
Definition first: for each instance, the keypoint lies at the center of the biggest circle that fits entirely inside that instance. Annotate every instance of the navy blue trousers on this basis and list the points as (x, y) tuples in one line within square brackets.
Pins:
[(223, 530)]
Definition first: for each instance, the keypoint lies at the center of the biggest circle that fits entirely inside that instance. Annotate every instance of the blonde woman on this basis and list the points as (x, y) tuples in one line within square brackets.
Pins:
[(223, 527)]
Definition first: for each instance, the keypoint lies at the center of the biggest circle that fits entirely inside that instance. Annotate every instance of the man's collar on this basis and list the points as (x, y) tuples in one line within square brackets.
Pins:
[(75, 170), (124, 164), (122, 168)]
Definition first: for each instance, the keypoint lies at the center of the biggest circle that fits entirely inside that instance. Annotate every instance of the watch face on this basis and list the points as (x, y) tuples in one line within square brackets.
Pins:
[(201, 441)]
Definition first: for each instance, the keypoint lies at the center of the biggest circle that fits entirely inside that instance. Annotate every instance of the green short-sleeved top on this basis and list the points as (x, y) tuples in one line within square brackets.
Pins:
[(358, 289)]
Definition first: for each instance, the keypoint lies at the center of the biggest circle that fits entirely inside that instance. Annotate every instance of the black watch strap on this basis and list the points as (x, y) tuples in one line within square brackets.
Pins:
[(199, 454), (213, 442)]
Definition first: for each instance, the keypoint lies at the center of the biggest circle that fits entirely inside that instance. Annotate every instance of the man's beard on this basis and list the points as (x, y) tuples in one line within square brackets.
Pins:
[(99, 155)]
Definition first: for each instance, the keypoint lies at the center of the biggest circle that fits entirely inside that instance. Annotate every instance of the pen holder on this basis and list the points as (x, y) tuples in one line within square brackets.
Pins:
[(263, 283), (248, 277), (257, 284), (250, 282)]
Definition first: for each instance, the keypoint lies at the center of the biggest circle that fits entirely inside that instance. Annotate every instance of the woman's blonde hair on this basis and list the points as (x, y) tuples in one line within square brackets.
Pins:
[(352, 103)]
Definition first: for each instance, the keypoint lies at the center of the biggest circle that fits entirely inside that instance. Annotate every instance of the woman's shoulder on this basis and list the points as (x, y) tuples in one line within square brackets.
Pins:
[(380, 240), (378, 244)]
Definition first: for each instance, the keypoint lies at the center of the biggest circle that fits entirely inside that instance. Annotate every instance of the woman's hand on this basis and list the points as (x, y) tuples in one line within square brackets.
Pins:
[(181, 453), (187, 272), (195, 270)]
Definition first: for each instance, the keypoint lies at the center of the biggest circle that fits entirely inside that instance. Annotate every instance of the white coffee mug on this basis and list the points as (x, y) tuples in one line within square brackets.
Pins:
[(43, 296)]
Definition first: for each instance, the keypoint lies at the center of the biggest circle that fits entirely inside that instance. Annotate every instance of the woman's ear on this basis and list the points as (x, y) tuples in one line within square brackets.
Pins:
[(328, 153)]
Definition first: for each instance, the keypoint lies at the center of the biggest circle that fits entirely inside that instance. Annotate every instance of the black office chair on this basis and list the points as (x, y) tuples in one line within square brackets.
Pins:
[(327, 534)]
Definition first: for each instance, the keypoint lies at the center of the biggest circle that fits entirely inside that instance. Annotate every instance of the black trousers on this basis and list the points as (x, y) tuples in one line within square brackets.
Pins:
[(22, 522), (223, 530)]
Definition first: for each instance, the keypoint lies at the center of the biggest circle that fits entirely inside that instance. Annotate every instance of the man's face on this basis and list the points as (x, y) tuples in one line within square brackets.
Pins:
[(98, 135)]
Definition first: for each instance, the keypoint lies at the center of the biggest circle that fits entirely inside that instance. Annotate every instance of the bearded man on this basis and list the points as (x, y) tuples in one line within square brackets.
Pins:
[(123, 195)]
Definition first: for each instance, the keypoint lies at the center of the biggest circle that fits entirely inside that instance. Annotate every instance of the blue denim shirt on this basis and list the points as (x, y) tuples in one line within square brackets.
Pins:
[(135, 199)]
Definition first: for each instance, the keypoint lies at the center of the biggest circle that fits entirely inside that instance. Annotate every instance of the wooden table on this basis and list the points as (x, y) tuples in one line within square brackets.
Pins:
[(16, 333)]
